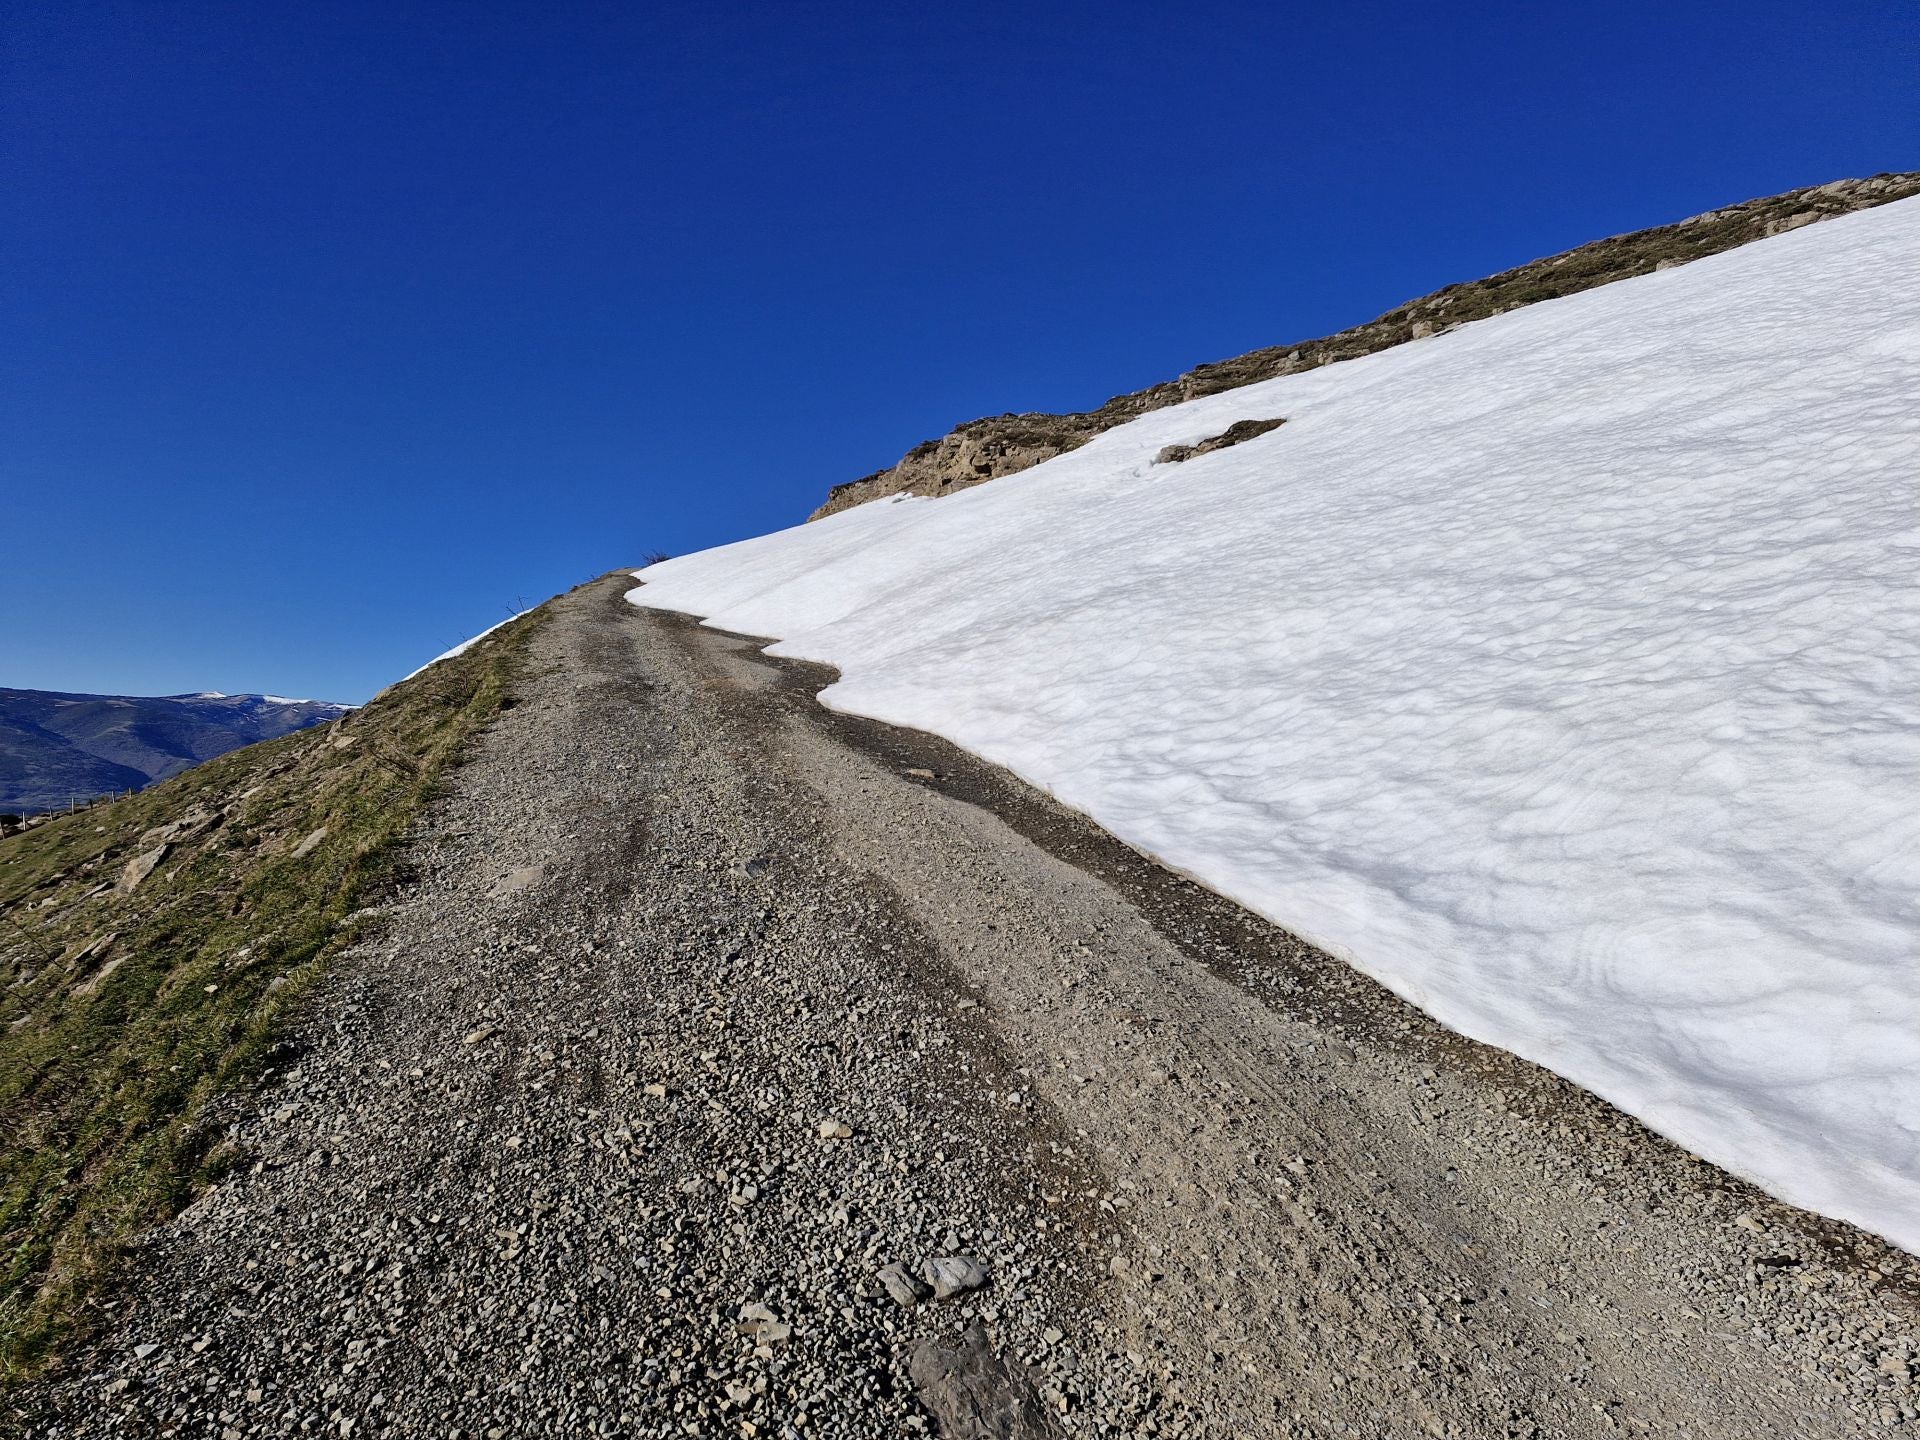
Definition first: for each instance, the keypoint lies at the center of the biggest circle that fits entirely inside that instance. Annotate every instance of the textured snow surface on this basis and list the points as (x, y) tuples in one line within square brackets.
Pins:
[(1563, 672)]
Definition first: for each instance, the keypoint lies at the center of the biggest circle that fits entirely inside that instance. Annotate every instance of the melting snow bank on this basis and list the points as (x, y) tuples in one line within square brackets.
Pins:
[(1558, 671)]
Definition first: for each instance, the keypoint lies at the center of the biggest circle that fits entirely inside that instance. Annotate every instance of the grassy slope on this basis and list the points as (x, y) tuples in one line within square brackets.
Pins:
[(123, 1015)]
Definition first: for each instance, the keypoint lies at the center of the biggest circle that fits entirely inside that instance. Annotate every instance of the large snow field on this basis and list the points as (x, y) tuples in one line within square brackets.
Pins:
[(1562, 672)]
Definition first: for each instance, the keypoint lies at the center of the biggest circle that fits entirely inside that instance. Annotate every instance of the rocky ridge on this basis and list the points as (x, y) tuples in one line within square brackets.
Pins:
[(999, 445)]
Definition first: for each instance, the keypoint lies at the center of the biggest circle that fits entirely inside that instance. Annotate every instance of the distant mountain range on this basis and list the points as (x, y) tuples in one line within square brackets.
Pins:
[(56, 748)]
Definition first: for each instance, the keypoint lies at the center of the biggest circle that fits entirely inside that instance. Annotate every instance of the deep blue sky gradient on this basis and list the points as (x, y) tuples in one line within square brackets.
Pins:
[(334, 331)]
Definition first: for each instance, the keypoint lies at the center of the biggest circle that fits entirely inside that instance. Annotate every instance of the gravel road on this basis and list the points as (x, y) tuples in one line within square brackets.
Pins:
[(707, 1006)]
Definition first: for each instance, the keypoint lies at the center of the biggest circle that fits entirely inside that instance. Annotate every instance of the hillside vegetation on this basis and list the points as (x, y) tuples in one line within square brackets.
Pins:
[(1000, 445), (153, 951)]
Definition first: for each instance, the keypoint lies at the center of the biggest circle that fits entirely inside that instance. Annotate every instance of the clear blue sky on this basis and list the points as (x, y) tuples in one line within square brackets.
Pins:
[(333, 331)]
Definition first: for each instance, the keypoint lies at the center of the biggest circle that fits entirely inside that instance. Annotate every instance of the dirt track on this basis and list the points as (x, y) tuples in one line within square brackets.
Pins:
[(1222, 1185)]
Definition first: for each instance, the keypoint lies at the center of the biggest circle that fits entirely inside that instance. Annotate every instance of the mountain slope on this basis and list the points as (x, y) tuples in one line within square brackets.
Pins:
[(1549, 670), (706, 1009), (153, 950), (40, 770), (998, 445), (56, 747)]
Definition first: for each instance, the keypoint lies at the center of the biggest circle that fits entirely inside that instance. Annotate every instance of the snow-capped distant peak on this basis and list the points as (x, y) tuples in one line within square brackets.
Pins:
[(255, 702)]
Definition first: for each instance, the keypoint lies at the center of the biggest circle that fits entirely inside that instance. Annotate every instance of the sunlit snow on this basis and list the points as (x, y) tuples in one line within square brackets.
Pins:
[(1563, 672)]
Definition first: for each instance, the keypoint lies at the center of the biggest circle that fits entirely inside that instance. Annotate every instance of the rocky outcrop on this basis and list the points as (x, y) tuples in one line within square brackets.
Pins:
[(1237, 433), (999, 445)]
